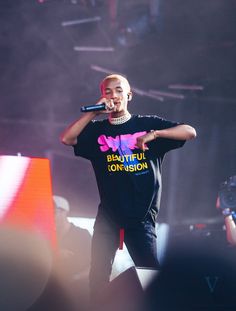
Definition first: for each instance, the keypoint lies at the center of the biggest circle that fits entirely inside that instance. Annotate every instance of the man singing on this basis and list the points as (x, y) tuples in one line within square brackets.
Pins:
[(126, 152)]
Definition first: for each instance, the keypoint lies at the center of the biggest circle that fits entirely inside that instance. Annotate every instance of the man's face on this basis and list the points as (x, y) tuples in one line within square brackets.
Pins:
[(118, 91)]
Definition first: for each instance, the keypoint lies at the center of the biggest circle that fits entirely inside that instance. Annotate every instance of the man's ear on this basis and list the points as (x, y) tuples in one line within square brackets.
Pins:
[(129, 96)]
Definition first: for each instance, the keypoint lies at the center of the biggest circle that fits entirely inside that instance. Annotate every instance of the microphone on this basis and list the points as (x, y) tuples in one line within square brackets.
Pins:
[(93, 108)]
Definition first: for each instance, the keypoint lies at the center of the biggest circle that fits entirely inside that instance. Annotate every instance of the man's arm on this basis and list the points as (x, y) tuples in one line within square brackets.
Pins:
[(69, 136), (230, 225), (179, 132), (230, 230)]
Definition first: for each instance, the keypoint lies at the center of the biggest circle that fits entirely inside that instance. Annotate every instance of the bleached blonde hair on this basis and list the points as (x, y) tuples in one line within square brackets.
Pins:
[(114, 77)]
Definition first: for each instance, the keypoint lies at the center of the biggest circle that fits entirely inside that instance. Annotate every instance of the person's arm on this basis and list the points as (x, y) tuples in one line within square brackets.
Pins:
[(230, 230), (229, 217), (69, 136), (178, 132), (230, 225)]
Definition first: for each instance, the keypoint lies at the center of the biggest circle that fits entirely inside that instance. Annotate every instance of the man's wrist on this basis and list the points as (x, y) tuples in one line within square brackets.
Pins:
[(155, 134)]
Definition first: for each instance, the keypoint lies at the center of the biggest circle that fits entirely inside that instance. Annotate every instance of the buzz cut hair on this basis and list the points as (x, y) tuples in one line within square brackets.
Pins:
[(114, 76)]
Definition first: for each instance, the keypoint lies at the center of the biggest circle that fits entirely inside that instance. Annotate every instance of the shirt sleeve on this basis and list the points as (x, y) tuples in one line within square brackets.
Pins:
[(85, 142)]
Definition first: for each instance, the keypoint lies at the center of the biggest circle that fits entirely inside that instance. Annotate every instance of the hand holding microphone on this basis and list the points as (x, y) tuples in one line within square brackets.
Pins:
[(103, 105)]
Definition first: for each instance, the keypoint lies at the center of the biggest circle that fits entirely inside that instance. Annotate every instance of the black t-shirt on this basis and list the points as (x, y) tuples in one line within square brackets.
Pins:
[(128, 179)]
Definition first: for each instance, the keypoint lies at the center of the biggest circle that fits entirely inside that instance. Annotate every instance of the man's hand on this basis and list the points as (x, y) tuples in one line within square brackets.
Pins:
[(109, 105), (142, 140)]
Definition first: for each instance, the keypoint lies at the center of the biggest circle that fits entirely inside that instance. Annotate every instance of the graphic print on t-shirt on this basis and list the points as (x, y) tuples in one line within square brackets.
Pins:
[(126, 160)]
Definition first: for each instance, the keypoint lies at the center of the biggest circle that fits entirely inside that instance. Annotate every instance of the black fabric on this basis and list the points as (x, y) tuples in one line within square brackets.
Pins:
[(139, 240), (129, 180)]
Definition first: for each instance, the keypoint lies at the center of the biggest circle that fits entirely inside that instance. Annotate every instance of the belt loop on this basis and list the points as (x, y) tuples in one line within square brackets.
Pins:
[(122, 236)]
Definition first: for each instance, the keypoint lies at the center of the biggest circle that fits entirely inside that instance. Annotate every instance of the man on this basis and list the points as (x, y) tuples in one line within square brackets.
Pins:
[(74, 246), (126, 153), (73, 241)]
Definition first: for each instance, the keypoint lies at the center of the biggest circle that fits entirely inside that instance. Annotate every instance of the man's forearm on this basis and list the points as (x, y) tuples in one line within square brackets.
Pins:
[(179, 132), (230, 230), (69, 136)]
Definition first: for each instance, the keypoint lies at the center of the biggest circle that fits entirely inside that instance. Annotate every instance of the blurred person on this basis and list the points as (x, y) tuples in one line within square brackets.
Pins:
[(226, 203), (25, 266), (194, 276), (126, 152), (230, 218), (74, 247)]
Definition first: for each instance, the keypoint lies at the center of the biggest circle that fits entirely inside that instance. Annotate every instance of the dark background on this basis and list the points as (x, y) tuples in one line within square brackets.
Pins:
[(44, 82)]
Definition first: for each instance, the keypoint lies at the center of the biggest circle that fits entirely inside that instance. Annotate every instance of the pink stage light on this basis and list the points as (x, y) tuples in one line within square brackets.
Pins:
[(26, 195)]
